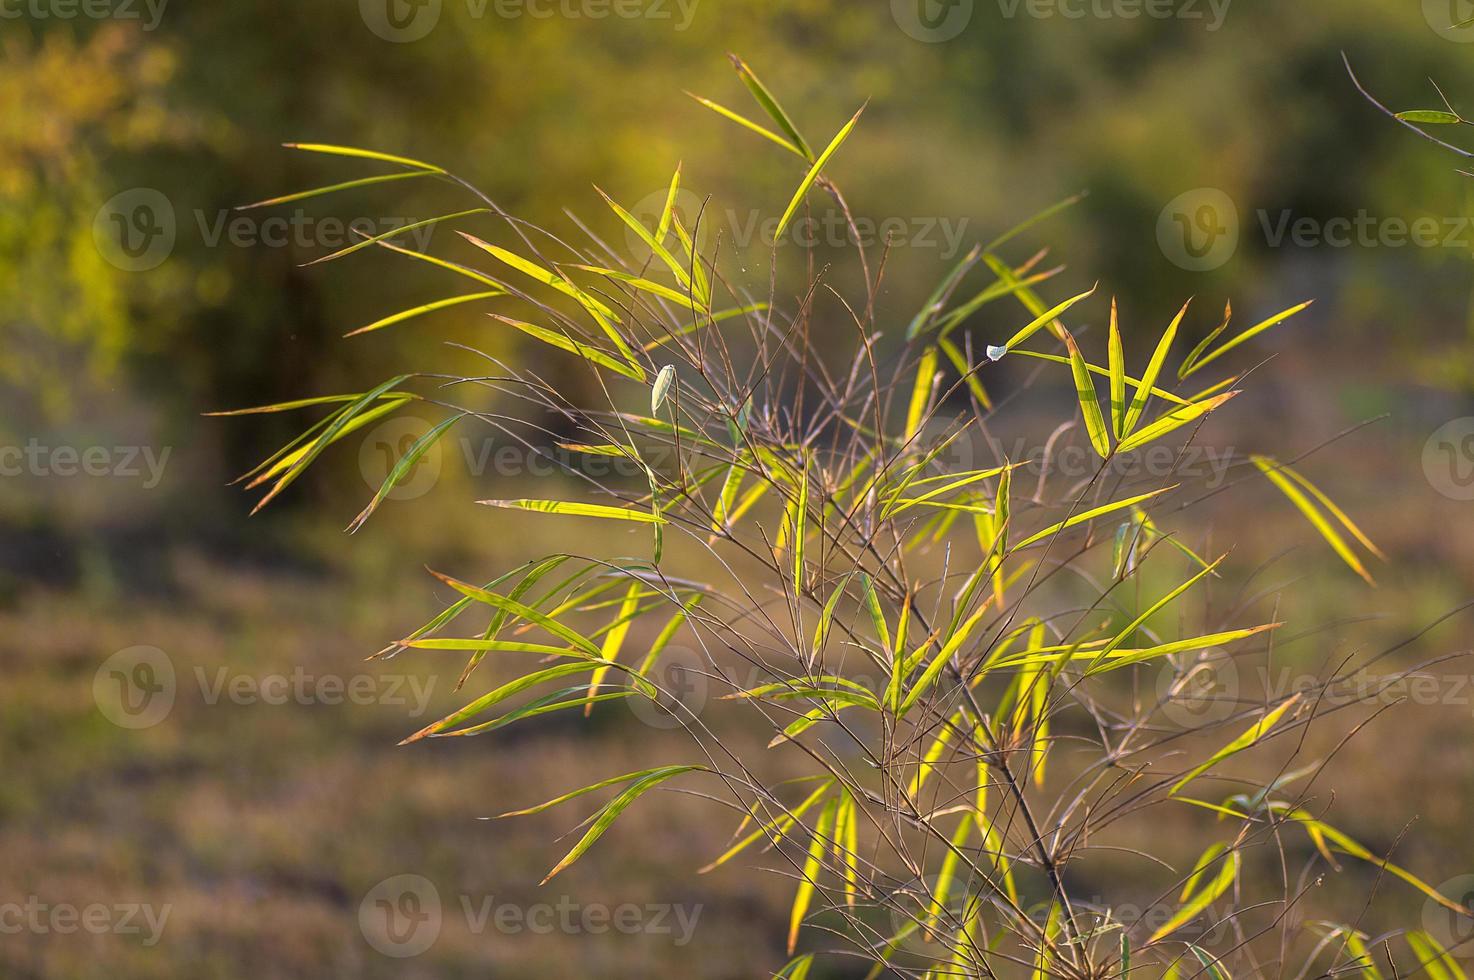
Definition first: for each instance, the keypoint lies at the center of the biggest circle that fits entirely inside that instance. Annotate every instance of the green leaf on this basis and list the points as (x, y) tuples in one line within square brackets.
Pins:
[(926, 369), (403, 466), (611, 811), (813, 174), (393, 232), (563, 342), (677, 268), (1117, 365), (1149, 377), (438, 304), (353, 151), (500, 694), (1194, 903), (1245, 741), (662, 227), (664, 292), (574, 509), (938, 296), (1253, 331), (307, 454), (1047, 316), (770, 105), (333, 188), (1272, 470), (809, 876), (515, 608), (661, 388), (1174, 419), (748, 123), (1088, 515), (1435, 117), (1089, 403)]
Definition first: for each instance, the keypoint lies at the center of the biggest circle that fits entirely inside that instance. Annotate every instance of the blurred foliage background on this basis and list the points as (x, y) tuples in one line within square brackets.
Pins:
[(266, 828)]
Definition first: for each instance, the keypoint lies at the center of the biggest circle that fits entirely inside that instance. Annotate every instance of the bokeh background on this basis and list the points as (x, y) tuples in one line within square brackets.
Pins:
[(133, 299)]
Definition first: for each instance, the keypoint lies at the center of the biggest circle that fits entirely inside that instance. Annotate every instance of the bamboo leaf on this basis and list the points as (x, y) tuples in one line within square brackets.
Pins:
[(1117, 364), (403, 466), (661, 388), (522, 611), (1205, 896), (1089, 403), (438, 304), (926, 370), (1172, 420), (749, 124), (563, 342), (1433, 117), (575, 509), (1153, 368), (1089, 515), (353, 151), (770, 105), (1245, 741), (1033, 326), (813, 174), (1271, 470), (393, 232), (808, 877), (333, 188), (614, 808), (1253, 331)]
